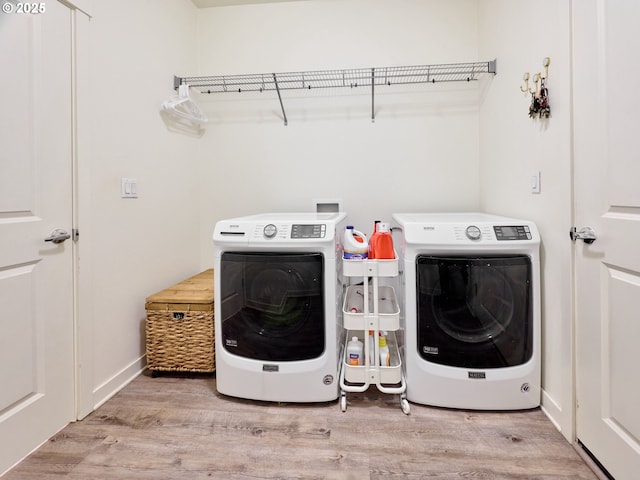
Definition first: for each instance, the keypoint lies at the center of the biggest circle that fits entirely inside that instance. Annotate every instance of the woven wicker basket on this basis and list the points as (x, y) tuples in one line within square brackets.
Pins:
[(180, 328)]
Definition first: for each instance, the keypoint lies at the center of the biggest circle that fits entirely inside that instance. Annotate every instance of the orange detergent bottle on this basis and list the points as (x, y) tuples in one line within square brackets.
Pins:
[(381, 244), (371, 253)]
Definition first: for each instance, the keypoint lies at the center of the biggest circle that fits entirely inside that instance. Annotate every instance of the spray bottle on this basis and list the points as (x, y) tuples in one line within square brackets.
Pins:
[(385, 356)]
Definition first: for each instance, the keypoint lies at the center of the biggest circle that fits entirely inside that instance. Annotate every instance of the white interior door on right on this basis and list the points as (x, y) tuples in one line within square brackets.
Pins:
[(606, 55)]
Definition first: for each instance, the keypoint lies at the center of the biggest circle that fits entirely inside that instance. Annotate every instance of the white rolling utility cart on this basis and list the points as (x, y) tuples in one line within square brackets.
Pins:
[(370, 309)]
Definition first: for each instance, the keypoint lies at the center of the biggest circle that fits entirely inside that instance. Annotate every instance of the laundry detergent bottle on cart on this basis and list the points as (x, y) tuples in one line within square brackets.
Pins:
[(381, 244), (376, 224), (355, 244)]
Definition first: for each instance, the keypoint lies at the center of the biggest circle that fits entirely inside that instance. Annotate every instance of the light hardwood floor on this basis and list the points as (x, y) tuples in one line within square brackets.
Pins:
[(175, 427)]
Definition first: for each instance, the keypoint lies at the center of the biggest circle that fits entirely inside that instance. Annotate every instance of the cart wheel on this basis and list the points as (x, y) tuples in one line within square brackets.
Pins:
[(404, 404), (343, 402)]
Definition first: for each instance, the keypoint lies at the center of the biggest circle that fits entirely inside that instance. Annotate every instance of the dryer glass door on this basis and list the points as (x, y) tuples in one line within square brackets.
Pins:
[(474, 312), (273, 305)]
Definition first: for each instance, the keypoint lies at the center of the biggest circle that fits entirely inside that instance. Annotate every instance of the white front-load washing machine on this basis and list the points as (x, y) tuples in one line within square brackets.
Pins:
[(277, 305), (471, 299)]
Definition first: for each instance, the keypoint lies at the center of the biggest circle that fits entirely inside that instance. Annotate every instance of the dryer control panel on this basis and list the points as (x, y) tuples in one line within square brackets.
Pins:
[(477, 230), (512, 232)]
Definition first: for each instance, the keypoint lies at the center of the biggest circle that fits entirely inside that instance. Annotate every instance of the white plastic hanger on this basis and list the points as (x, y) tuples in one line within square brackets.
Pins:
[(182, 106)]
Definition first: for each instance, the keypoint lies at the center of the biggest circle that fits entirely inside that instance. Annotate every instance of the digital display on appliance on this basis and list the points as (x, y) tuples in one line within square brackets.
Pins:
[(308, 231), (512, 232)]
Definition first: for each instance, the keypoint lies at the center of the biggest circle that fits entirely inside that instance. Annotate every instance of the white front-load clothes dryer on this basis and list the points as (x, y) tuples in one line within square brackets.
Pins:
[(471, 299), (277, 306)]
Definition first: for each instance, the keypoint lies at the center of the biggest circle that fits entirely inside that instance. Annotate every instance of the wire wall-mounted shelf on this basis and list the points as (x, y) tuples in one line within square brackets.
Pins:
[(351, 78)]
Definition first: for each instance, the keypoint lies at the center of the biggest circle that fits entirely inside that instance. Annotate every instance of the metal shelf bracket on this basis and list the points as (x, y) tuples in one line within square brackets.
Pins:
[(284, 114)]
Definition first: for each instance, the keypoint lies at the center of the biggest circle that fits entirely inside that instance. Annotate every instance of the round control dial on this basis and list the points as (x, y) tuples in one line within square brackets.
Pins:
[(473, 232), (270, 231)]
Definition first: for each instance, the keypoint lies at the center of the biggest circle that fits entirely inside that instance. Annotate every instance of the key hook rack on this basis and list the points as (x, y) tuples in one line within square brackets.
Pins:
[(345, 78), (537, 77), (539, 94)]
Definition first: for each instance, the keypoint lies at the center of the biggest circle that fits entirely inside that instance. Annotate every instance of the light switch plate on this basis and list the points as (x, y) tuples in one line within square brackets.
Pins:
[(535, 182), (129, 188)]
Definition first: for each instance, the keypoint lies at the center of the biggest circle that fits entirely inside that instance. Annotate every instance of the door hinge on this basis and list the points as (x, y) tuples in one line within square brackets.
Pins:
[(75, 234)]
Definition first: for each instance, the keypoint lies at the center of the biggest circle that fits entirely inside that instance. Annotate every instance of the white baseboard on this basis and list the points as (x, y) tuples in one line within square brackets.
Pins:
[(116, 383)]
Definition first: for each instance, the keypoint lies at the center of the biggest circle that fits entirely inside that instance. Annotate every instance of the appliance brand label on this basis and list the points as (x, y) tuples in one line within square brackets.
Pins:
[(231, 342), (269, 367), (481, 375), (430, 350)]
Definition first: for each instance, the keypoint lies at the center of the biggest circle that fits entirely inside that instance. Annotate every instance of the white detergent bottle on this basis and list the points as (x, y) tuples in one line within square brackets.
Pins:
[(355, 352), (355, 244)]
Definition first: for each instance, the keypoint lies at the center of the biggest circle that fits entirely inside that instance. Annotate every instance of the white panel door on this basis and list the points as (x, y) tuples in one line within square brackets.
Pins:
[(36, 287), (607, 198)]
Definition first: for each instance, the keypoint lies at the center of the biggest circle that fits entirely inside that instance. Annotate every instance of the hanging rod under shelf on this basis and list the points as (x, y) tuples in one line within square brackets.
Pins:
[(357, 77)]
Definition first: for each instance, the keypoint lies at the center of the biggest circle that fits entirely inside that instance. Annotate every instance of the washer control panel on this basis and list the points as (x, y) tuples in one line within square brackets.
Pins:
[(512, 232), (288, 231)]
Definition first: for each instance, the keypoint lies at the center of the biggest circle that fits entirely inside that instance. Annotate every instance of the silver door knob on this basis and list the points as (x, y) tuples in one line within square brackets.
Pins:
[(586, 234), (58, 236)]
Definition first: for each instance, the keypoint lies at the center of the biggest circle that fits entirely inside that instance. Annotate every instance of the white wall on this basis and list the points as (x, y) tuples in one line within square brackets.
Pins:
[(442, 149), (130, 248), (512, 146), (421, 154), (448, 148)]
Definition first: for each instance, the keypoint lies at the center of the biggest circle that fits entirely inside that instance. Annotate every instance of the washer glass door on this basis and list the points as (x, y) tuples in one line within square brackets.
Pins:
[(273, 305), (474, 312)]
